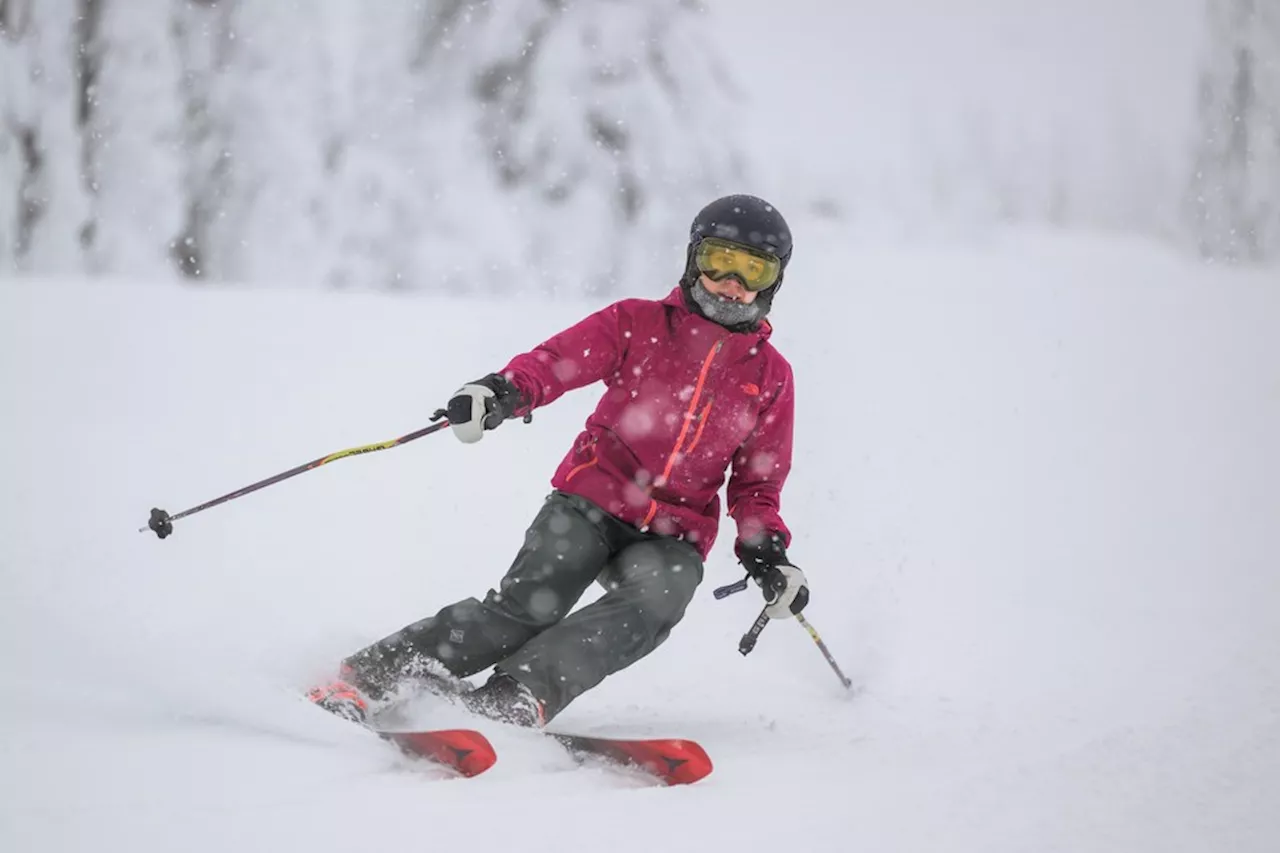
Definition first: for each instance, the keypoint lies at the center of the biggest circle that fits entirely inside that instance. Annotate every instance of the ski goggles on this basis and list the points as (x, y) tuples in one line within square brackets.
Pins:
[(718, 259)]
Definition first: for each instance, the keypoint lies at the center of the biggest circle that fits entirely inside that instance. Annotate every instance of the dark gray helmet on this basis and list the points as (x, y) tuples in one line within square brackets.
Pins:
[(749, 221)]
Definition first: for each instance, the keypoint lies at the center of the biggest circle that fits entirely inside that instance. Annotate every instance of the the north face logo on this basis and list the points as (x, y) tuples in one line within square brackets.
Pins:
[(752, 389)]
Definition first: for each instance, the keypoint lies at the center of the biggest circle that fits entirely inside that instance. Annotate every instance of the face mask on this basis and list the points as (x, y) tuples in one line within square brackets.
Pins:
[(726, 312)]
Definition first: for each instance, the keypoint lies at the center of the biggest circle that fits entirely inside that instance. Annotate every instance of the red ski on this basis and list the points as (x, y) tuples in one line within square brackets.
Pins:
[(670, 760), (465, 750)]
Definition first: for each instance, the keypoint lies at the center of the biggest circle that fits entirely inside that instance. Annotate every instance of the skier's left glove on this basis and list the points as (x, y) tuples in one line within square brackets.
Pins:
[(481, 405), (785, 589)]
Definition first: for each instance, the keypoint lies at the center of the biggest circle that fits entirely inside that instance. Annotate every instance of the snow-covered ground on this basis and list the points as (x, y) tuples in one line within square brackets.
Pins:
[(1037, 494)]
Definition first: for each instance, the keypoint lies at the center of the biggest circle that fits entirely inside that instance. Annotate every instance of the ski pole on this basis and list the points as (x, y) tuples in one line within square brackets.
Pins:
[(162, 522), (826, 653), (748, 641)]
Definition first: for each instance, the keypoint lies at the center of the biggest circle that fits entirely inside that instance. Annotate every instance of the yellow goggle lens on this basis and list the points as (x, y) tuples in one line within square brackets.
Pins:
[(719, 259)]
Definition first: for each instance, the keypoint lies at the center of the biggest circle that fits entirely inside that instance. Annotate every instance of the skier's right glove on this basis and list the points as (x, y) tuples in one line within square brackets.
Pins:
[(785, 589), (481, 405)]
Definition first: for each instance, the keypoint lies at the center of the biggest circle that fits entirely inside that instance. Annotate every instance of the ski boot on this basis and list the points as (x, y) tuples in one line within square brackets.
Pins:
[(506, 700), (342, 699)]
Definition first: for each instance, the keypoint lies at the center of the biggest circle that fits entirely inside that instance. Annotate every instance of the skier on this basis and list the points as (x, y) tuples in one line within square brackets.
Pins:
[(693, 390)]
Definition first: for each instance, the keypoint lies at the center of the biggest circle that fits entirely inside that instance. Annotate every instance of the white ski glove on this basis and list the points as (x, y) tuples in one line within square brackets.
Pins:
[(786, 591), (479, 406), (791, 591)]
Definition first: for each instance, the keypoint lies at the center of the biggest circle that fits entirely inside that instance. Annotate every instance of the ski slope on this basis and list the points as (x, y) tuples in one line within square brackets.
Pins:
[(1036, 492)]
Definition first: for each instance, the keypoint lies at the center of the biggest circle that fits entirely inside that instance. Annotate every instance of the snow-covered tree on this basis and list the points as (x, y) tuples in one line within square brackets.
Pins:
[(135, 136), (398, 143), (44, 197), (1234, 202), (594, 122)]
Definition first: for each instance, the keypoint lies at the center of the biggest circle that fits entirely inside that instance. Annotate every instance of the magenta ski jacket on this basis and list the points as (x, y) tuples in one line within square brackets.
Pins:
[(686, 402)]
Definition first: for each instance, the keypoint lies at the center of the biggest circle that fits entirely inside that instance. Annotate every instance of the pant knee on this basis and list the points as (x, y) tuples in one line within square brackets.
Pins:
[(534, 604), (562, 554), (659, 577)]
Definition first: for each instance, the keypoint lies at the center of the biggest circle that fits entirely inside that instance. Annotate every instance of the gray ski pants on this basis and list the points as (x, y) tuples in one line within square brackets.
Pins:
[(524, 627)]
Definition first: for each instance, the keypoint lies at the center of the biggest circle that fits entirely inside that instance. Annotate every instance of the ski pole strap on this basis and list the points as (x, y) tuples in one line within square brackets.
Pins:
[(826, 653), (730, 589), (748, 641)]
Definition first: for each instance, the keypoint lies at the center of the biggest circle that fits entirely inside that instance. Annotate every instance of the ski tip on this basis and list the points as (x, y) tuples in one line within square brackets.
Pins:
[(672, 761), (465, 750), (476, 754), (686, 762)]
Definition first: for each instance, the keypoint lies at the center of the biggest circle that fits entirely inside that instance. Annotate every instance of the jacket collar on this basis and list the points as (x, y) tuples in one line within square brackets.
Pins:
[(758, 335)]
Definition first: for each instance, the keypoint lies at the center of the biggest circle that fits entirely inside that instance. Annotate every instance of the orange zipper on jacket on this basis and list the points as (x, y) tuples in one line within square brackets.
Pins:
[(578, 468), (688, 415), (684, 432), (702, 422)]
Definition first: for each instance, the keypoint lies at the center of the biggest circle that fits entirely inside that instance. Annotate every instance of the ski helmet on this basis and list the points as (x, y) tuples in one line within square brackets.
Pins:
[(748, 221)]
